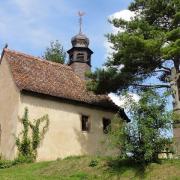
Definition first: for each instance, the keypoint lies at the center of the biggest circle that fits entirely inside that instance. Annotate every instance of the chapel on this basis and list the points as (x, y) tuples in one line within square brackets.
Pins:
[(78, 118)]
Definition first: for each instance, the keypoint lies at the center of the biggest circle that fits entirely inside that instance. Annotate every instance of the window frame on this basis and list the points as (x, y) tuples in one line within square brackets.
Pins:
[(106, 122), (80, 56), (85, 128)]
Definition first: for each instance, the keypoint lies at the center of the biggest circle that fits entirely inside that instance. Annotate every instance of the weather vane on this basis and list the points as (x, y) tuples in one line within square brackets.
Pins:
[(80, 14)]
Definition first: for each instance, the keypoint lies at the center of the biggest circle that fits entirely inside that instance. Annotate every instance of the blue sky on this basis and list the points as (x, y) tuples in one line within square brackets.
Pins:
[(29, 25)]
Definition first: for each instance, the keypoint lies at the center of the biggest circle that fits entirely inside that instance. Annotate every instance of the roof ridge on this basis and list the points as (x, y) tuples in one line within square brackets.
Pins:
[(37, 58)]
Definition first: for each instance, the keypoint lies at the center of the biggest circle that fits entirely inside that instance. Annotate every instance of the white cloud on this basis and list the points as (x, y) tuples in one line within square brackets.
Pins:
[(119, 68), (123, 14), (126, 15), (122, 100), (109, 50)]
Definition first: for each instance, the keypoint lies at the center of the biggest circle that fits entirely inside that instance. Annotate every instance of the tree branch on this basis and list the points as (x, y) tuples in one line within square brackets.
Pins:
[(161, 70), (165, 68), (151, 86)]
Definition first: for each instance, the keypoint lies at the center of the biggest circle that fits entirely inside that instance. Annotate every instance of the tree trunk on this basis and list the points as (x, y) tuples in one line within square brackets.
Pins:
[(175, 86)]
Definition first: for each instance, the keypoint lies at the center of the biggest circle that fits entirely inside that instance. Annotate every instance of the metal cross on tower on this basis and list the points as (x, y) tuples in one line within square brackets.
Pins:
[(80, 14)]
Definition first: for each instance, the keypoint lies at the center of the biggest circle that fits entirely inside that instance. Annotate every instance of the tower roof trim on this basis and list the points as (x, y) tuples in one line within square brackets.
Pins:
[(80, 49)]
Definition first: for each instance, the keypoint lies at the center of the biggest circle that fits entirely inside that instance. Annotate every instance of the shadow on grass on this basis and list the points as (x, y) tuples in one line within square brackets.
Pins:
[(119, 167)]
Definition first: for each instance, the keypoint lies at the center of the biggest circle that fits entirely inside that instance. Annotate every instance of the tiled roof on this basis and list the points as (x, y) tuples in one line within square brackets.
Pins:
[(41, 76)]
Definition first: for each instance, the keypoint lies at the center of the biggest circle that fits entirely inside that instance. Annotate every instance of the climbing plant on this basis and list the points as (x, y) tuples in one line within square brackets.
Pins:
[(30, 137)]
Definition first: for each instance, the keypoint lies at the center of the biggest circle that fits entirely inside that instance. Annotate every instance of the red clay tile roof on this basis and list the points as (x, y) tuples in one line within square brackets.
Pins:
[(54, 79)]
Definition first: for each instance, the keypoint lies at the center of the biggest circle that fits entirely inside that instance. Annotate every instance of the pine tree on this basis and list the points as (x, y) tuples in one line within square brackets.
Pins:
[(148, 46)]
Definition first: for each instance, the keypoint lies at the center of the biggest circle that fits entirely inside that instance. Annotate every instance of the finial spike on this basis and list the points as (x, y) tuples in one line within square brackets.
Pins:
[(6, 45), (80, 14)]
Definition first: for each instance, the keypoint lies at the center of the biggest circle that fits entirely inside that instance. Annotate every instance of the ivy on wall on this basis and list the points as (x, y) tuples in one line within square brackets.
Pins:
[(30, 137)]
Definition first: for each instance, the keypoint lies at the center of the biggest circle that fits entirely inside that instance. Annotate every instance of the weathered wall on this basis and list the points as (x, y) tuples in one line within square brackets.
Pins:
[(9, 101), (80, 69), (64, 137)]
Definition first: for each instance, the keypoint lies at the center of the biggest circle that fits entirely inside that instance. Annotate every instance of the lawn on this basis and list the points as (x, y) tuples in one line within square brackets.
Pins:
[(91, 168)]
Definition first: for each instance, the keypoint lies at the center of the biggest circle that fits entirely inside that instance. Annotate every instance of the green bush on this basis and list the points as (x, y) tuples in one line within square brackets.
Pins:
[(5, 164), (93, 163), (22, 159), (19, 160)]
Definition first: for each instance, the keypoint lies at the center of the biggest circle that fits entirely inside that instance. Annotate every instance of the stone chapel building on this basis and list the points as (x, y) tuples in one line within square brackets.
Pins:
[(78, 118)]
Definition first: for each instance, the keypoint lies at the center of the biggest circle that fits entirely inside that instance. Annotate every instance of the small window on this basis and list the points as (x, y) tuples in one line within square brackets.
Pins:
[(80, 56), (85, 123), (106, 125)]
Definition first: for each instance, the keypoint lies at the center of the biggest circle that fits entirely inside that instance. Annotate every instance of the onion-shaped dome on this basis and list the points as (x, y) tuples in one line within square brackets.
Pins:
[(80, 40)]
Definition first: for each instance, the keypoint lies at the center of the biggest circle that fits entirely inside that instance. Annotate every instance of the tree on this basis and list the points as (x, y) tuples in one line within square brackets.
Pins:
[(147, 46), (142, 140), (55, 52)]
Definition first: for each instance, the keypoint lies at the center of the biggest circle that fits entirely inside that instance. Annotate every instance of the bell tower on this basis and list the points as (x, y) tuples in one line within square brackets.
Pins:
[(80, 54)]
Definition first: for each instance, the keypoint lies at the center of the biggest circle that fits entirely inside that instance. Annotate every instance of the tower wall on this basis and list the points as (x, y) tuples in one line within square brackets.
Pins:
[(80, 69), (80, 55)]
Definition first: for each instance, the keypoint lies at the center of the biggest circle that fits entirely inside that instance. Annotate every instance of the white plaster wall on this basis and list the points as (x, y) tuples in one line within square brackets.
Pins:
[(9, 103), (64, 137)]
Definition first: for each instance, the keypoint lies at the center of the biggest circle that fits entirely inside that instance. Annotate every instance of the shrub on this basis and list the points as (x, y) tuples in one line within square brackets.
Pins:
[(93, 163), (5, 164)]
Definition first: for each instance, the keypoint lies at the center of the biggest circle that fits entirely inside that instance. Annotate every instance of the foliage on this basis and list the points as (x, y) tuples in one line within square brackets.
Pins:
[(9, 163), (5, 164), (30, 137), (93, 163), (117, 135), (176, 118), (55, 52), (143, 139), (146, 46)]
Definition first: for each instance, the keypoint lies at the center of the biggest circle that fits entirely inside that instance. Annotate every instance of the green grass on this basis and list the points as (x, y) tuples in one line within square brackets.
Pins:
[(80, 168)]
